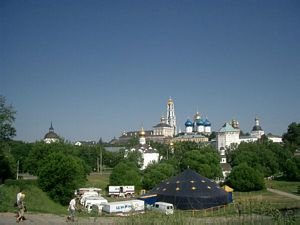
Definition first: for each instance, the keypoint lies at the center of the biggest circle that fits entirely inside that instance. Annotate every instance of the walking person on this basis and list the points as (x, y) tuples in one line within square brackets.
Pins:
[(21, 206), (72, 209)]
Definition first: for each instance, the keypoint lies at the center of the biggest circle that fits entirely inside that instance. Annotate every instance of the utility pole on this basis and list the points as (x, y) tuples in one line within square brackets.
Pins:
[(101, 161), (18, 165)]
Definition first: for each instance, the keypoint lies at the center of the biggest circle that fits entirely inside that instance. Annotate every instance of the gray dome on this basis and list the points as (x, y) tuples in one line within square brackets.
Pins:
[(51, 134), (256, 128)]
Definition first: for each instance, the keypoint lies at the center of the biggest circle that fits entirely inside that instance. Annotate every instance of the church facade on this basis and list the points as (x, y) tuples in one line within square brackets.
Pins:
[(197, 130), (166, 131), (162, 132), (149, 154)]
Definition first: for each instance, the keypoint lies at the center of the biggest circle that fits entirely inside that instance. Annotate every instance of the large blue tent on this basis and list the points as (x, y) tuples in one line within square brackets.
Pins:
[(189, 190)]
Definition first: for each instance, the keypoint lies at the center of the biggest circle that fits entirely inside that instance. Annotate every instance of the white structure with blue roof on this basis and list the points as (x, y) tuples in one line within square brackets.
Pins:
[(198, 126)]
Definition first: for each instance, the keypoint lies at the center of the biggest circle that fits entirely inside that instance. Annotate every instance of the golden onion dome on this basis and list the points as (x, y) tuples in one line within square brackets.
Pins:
[(170, 101), (142, 132)]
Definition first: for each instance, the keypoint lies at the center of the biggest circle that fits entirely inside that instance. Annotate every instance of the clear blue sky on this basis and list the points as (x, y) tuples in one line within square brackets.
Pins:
[(96, 68)]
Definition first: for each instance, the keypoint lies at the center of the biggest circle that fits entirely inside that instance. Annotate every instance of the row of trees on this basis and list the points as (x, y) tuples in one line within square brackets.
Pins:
[(252, 162), (203, 159)]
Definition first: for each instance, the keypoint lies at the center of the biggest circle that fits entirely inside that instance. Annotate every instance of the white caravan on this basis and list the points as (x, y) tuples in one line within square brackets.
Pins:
[(124, 206), (94, 200), (82, 191), (87, 195), (121, 191)]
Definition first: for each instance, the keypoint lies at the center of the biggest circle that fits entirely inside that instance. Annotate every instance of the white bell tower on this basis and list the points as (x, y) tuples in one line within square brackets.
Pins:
[(171, 118)]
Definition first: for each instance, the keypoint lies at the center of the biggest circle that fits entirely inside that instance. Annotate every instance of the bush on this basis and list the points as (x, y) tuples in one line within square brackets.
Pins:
[(245, 178), (60, 176), (155, 173), (126, 173)]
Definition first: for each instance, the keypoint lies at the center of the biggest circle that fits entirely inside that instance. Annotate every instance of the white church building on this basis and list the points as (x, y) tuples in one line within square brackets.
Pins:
[(149, 154), (229, 135)]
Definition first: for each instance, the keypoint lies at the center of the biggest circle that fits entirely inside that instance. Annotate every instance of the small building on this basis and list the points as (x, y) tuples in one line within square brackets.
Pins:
[(149, 154), (51, 136)]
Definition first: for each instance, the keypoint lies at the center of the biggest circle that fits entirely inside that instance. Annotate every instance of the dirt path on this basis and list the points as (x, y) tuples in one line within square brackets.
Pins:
[(49, 219), (296, 197)]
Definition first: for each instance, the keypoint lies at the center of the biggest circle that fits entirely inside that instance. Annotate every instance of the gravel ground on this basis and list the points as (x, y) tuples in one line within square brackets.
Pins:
[(49, 219)]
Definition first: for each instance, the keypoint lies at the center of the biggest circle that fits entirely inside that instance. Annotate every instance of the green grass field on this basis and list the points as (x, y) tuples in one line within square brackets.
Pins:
[(98, 180)]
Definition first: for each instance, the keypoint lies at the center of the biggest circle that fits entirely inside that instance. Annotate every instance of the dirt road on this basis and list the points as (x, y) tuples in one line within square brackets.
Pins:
[(49, 219), (296, 197)]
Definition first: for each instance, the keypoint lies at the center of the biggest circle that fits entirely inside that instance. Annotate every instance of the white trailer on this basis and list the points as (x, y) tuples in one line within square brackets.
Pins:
[(82, 191), (131, 206), (87, 195), (94, 201), (121, 191)]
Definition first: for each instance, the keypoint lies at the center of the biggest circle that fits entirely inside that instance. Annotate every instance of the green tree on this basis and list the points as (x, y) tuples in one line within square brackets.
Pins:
[(180, 148), (111, 159), (205, 161), (135, 157), (7, 164), (292, 169), (157, 172), (212, 136), (126, 173), (7, 118), (19, 151), (164, 150), (291, 138), (245, 178), (261, 154), (60, 175), (41, 150)]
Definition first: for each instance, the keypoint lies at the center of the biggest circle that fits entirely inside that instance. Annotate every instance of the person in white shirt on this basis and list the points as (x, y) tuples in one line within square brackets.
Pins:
[(21, 206), (72, 209)]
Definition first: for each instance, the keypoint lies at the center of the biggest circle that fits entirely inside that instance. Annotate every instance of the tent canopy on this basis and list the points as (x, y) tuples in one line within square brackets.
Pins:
[(189, 190)]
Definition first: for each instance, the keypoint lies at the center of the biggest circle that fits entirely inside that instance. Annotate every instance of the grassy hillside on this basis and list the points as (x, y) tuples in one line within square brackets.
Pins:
[(36, 200)]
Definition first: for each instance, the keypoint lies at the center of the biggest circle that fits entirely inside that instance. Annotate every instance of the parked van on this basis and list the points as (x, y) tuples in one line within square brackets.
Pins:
[(94, 201), (163, 207)]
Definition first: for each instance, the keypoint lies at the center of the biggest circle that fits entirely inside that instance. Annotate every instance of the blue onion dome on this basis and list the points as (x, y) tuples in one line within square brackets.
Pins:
[(207, 123), (200, 122), (188, 123)]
